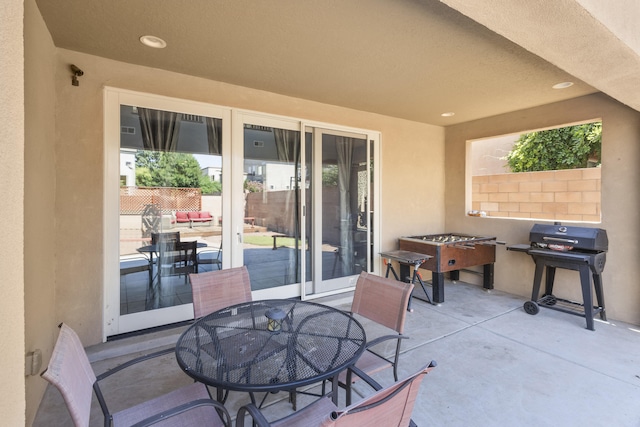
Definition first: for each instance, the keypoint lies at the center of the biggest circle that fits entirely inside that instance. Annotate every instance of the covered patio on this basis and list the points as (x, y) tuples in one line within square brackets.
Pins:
[(497, 366), (398, 68)]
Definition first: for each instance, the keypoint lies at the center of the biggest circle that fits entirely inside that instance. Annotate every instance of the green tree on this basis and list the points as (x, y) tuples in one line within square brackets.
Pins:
[(330, 176), (210, 187), (143, 177), (162, 169), (554, 149)]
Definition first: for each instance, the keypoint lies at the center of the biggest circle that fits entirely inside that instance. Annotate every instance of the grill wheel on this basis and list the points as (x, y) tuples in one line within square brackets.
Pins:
[(531, 307)]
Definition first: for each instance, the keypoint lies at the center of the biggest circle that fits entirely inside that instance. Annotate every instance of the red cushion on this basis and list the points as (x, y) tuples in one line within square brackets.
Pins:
[(181, 217), (193, 215), (205, 215)]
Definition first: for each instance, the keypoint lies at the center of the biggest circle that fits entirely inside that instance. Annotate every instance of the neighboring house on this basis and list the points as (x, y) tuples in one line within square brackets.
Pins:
[(273, 177), (127, 169), (214, 173)]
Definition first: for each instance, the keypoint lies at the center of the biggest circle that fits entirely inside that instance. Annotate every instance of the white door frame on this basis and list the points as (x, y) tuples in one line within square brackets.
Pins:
[(113, 322), (232, 183), (239, 119), (344, 284)]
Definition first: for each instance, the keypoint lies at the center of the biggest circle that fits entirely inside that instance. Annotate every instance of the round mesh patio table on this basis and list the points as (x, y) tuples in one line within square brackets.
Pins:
[(233, 348)]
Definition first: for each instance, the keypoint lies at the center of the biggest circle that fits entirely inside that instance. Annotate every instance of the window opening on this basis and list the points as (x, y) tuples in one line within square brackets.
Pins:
[(549, 174)]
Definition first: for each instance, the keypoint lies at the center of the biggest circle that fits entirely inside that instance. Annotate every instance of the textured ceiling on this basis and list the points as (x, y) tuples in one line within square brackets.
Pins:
[(402, 58)]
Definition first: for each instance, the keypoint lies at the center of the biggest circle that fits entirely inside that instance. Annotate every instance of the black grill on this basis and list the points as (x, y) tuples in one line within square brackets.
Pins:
[(580, 238), (582, 249)]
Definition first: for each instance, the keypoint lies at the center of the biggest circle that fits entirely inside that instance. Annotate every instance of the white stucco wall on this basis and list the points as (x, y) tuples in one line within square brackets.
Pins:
[(12, 386), (620, 17), (40, 318), (620, 200), (411, 153)]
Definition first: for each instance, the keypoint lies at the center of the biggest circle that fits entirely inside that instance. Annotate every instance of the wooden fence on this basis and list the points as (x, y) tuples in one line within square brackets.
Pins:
[(133, 200)]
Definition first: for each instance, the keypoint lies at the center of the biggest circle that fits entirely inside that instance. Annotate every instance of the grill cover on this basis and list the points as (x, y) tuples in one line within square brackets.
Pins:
[(585, 238)]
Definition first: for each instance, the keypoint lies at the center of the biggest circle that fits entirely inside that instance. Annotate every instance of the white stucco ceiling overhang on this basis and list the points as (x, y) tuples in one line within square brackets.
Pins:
[(412, 59)]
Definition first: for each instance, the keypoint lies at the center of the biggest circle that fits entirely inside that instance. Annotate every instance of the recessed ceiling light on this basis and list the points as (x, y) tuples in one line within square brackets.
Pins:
[(562, 85), (448, 114), (153, 41)]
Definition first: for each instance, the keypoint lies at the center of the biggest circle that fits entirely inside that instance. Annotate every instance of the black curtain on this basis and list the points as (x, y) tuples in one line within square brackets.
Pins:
[(159, 129)]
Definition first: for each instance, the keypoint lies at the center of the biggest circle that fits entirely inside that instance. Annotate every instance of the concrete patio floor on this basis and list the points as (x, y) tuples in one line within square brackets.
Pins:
[(497, 366)]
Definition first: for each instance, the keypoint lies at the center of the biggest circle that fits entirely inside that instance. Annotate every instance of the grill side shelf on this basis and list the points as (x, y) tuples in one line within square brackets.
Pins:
[(519, 248)]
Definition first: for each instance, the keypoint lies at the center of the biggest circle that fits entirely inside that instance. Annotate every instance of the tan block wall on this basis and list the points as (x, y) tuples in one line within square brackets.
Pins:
[(565, 195)]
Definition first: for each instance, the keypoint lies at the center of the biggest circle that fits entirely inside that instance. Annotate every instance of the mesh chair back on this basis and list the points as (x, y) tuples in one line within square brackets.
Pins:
[(218, 289), (173, 236), (391, 406), (382, 300), (168, 254), (70, 372), (214, 260), (188, 257)]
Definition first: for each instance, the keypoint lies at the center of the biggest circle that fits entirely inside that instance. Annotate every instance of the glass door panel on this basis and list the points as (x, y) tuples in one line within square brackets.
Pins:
[(272, 238), (170, 210), (341, 193)]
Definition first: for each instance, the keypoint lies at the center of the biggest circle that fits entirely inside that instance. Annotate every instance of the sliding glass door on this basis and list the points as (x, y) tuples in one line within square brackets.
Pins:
[(269, 217), (306, 212), (169, 207), (192, 187), (341, 194)]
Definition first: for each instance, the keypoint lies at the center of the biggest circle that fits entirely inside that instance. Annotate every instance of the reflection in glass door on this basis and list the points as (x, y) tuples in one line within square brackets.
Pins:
[(170, 211), (342, 224), (304, 222), (272, 238), (294, 212)]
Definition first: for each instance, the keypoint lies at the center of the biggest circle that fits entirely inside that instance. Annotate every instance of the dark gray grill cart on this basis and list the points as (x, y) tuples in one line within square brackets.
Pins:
[(581, 249)]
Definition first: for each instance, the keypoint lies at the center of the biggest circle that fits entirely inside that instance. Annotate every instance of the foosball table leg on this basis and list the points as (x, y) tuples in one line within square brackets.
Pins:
[(487, 276)]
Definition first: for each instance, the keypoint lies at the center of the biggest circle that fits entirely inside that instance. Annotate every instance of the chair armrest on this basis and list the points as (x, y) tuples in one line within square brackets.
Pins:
[(373, 383), (366, 378), (162, 416), (135, 361), (251, 409), (385, 338)]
